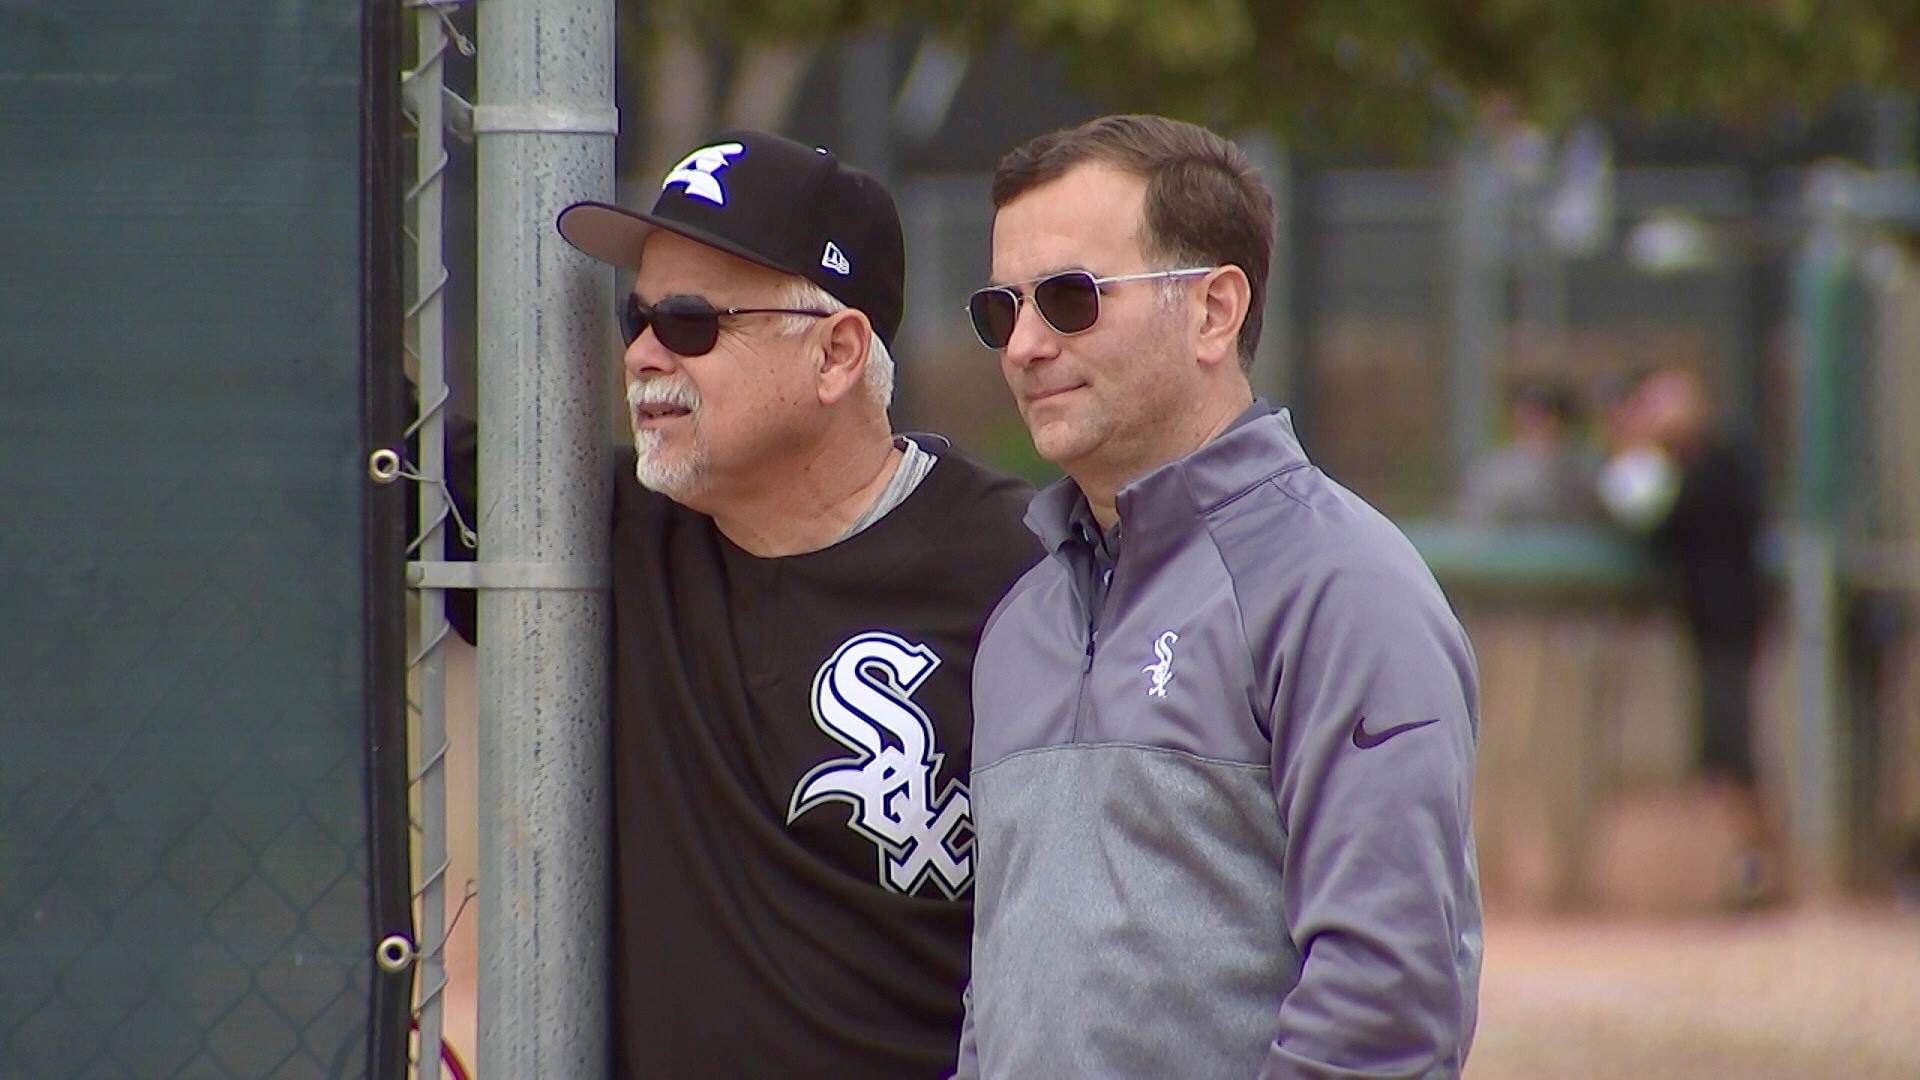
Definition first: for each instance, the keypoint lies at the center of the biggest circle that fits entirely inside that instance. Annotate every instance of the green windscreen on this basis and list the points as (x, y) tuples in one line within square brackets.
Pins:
[(184, 882)]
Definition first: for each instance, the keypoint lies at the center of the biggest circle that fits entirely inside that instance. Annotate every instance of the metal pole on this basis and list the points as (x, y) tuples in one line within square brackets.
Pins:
[(866, 136), (866, 103), (1893, 132), (1306, 240), (923, 217), (1478, 218), (1813, 619), (1271, 369), (545, 124), (423, 87)]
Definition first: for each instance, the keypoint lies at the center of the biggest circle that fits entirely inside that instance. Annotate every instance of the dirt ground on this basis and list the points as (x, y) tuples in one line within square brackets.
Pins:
[(1782, 994)]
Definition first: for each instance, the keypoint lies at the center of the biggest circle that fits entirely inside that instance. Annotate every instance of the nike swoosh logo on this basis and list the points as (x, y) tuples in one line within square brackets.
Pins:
[(1367, 742)]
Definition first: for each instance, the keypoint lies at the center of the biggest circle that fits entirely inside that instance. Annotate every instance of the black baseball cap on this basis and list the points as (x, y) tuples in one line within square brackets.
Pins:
[(774, 202)]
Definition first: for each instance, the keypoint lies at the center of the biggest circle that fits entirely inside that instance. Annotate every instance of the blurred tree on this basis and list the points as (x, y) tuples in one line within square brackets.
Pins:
[(709, 65), (1385, 71), (1393, 68)]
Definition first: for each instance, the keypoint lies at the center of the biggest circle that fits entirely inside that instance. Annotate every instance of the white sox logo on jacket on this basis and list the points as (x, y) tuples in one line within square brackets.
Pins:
[(863, 698), (1161, 670)]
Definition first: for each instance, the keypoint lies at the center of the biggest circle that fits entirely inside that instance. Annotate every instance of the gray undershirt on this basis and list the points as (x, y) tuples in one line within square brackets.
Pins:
[(914, 466)]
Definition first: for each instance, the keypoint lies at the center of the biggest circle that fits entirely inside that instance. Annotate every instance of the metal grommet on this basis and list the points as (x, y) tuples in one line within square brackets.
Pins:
[(394, 953), (384, 466)]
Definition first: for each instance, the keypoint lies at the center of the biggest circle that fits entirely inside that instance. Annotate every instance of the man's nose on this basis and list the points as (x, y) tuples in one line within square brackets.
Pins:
[(1032, 338), (646, 356)]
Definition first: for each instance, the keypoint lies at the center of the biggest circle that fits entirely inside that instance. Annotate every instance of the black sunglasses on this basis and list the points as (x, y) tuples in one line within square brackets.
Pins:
[(1069, 301), (687, 325)]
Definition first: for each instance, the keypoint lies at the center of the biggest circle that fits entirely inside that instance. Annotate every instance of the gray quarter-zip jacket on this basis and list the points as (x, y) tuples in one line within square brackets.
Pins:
[(1222, 810)]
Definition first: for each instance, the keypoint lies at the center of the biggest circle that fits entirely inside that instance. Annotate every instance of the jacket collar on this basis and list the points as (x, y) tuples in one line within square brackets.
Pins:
[(1260, 444)]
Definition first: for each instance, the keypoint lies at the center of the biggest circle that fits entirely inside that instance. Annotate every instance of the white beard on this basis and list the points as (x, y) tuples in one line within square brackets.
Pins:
[(674, 479)]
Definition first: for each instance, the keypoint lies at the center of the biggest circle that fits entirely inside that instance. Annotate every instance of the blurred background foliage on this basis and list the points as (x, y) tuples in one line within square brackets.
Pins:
[(1389, 74)]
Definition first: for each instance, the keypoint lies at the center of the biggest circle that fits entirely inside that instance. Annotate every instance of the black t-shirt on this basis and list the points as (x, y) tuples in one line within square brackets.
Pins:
[(791, 746)]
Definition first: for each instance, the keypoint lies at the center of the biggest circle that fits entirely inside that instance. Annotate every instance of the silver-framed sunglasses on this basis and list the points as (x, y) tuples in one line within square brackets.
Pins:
[(1069, 301)]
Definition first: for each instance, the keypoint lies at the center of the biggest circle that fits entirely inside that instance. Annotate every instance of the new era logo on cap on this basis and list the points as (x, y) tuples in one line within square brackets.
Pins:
[(774, 202), (700, 172)]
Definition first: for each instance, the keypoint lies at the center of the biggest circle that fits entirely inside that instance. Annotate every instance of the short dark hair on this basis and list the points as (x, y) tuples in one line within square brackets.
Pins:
[(1205, 204)]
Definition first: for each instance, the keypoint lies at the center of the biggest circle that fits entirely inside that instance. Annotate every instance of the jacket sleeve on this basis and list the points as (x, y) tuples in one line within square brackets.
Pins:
[(1374, 723)]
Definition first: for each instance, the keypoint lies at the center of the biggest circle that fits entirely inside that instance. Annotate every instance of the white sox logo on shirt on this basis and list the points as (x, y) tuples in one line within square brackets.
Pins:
[(697, 170), (1161, 670), (863, 698)]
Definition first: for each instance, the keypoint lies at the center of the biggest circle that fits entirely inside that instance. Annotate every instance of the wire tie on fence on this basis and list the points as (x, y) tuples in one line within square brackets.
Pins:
[(426, 881), (439, 757), (460, 40), (385, 466), (473, 890)]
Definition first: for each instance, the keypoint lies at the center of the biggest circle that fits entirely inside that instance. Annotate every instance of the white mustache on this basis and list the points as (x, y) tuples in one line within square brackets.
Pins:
[(663, 391)]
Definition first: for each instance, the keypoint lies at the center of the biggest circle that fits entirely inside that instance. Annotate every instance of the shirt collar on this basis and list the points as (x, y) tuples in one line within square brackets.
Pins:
[(1059, 512)]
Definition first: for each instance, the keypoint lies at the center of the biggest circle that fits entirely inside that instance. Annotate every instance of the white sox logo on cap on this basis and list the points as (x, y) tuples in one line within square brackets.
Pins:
[(771, 201), (698, 171)]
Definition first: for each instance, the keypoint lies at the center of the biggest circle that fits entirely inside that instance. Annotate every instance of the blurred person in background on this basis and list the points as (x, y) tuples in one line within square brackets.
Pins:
[(1677, 479), (797, 592), (1224, 736), (1544, 474)]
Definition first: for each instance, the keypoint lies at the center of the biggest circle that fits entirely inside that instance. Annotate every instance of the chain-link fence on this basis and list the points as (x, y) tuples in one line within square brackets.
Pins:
[(184, 884)]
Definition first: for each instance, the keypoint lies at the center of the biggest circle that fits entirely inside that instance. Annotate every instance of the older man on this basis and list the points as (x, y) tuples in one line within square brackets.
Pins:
[(797, 595), (1224, 735)]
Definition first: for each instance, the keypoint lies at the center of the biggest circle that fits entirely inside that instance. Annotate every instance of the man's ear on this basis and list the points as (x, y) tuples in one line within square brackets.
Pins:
[(1225, 298), (842, 355)]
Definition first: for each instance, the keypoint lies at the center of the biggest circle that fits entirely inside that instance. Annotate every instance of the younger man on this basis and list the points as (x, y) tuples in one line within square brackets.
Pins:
[(1224, 736)]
